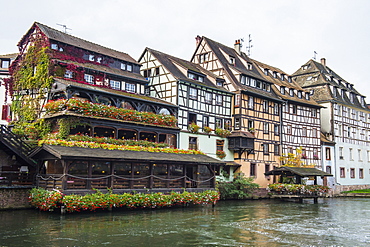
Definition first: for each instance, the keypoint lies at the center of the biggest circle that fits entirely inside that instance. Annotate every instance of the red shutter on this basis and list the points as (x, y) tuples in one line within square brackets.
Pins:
[(5, 110)]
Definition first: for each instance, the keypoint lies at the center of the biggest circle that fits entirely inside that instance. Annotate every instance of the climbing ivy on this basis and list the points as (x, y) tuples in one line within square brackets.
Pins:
[(31, 82)]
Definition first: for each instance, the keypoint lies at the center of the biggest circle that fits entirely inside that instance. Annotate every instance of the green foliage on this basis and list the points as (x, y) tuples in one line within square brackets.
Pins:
[(222, 132), (357, 191), (295, 160), (298, 189), (32, 130), (241, 188), (193, 128), (50, 200)]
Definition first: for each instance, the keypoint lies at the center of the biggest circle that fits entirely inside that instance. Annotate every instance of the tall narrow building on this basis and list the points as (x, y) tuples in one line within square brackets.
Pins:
[(256, 107), (345, 120)]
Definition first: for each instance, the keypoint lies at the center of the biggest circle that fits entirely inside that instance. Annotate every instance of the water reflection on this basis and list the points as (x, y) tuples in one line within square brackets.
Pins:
[(332, 222)]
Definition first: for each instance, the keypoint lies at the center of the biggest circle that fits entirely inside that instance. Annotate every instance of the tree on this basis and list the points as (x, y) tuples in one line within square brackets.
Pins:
[(295, 160)]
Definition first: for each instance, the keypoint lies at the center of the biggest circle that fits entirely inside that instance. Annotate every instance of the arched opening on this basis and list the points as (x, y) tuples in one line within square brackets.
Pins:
[(127, 105), (81, 130), (148, 136), (104, 132), (127, 134), (164, 111)]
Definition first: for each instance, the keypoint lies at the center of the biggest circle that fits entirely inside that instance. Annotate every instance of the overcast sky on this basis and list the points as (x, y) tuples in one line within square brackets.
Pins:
[(285, 33)]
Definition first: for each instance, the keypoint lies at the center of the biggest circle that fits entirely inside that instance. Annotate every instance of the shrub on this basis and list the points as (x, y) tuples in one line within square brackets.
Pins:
[(241, 188)]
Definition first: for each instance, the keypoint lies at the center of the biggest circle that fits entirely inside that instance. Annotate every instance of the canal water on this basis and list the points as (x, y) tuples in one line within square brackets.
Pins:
[(331, 222)]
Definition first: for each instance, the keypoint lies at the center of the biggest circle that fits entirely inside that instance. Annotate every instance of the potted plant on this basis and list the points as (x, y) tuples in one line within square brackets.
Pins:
[(207, 130), (220, 154), (193, 128), (222, 132)]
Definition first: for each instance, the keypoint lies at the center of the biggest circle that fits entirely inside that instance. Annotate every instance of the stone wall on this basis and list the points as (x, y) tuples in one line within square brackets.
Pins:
[(339, 188), (14, 197)]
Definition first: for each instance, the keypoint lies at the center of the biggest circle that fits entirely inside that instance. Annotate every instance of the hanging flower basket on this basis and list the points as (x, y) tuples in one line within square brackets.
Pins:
[(220, 154), (193, 128), (222, 132), (207, 130)]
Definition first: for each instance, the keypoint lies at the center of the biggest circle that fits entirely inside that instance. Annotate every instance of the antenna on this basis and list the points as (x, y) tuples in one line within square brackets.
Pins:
[(65, 27), (314, 55), (249, 45)]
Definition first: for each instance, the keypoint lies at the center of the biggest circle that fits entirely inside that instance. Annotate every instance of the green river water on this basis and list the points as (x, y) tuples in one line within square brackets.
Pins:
[(331, 222)]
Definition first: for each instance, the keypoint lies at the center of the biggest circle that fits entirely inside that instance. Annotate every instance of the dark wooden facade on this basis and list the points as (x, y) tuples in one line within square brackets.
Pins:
[(72, 169)]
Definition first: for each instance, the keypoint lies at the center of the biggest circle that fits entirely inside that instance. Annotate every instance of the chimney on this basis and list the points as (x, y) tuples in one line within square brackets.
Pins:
[(237, 46), (197, 40), (323, 61)]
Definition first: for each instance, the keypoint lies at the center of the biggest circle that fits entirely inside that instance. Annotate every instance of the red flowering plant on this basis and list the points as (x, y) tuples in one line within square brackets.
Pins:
[(221, 154), (298, 189), (99, 200), (100, 110)]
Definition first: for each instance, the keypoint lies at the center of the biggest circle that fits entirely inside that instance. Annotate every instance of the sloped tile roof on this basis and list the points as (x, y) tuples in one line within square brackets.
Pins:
[(300, 171), (169, 62), (61, 152), (56, 35)]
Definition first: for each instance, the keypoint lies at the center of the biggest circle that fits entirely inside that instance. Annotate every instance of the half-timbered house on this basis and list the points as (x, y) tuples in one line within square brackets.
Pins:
[(5, 100), (300, 116), (204, 105), (344, 120), (256, 107), (89, 91)]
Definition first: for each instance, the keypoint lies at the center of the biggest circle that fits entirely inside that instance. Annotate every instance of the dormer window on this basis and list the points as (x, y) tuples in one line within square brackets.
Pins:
[(307, 96), (282, 77), (5, 64), (266, 71), (282, 90), (54, 46), (99, 59), (232, 60), (249, 66), (195, 77), (289, 79), (362, 101), (275, 74), (91, 58), (351, 97), (123, 66), (68, 74), (299, 94), (291, 92), (243, 79), (219, 83), (129, 67), (253, 82)]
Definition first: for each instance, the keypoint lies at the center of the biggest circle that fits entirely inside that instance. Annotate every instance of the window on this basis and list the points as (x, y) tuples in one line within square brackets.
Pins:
[(123, 66), (232, 60), (237, 100), (361, 173), (243, 79), (147, 73), (351, 154), (327, 154), (352, 172), (265, 148), (218, 99), (328, 169), (304, 131), (359, 155), (276, 129), (300, 94), (267, 168), (115, 84), (253, 82), (265, 128), (195, 77), (5, 112), (54, 46), (250, 102), (250, 124), (208, 98), (218, 123), (129, 67), (192, 118), (193, 143), (237, 123), (342, 171), (228, 124), (156, 71), (289, 129), (276, 108), (294, 109), (68, 74), (291, 92), (313, 112), (282, 90), (89, 78), (91, 58), (368, 155), (341, 153), (203, 57), (5, 64), (314, 132), (253, 172), (205, 121), (193, 93), (220, 145), (130, 87), (265, 106), (276, 149), (219, 83)]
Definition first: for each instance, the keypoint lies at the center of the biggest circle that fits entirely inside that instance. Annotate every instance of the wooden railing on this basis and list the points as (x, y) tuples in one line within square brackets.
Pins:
[(15, 178)]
